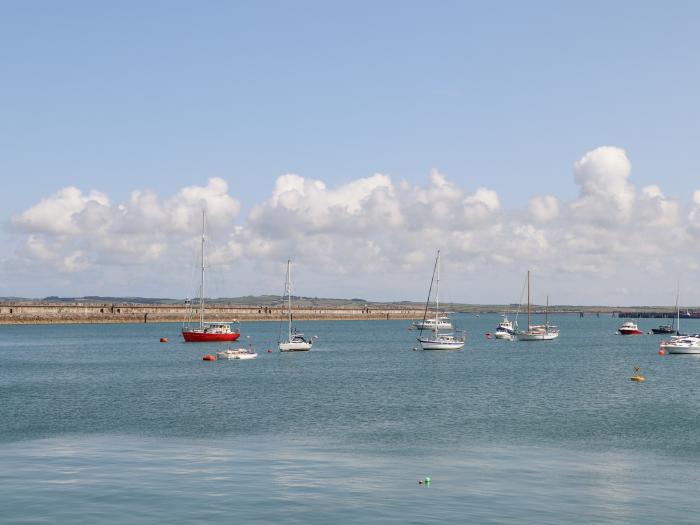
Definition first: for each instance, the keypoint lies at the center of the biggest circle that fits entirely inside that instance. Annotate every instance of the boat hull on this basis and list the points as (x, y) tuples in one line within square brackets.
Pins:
[(681, 350), (295, 346), (236, 355), (630, 332), (200, 337), (527, 336), (432, 344)]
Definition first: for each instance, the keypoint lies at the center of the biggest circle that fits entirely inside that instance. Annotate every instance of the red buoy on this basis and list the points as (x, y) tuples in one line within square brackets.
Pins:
[(209, 357), (661, 351), (269, 350), (163, 339)]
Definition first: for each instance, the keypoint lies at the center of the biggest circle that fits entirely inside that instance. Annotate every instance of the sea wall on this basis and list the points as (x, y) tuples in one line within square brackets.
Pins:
[(48, 313)]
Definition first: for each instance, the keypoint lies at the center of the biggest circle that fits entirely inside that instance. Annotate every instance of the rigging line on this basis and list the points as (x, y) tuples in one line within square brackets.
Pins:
[(282, 320), (427, 302)]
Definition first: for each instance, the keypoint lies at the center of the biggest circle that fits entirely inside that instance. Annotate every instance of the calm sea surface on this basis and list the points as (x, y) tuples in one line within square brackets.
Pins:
[(104, 424)]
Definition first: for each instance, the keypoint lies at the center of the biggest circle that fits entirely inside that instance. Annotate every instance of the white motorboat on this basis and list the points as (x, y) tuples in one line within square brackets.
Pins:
[(545, 332), (443, 322), (682, 344), (437, 340), (239, 353), (629, 328), (505, 329), (296, 342)]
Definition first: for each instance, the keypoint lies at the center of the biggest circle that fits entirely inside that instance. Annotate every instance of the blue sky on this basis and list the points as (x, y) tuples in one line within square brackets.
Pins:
[(126, 96)]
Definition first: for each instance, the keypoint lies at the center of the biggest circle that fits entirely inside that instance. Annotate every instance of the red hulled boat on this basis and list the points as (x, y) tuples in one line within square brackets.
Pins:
[(629, 328), (213, 332)]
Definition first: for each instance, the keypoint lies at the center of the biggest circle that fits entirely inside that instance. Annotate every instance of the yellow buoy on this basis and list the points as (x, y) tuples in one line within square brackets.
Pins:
[(638, 377)]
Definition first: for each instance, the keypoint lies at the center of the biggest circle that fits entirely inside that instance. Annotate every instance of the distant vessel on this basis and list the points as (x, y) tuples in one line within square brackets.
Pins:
[(505, 329), (207, 332), (295, 341), (684, 344), (442, 322), (670, 328), (239, 353), (629, 328), (438, 341), (545, 332)]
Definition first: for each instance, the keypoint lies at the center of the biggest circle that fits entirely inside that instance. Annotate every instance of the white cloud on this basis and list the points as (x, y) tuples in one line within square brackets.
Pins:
[(56, 214), (605, 194), (374, 235), (544, 208)]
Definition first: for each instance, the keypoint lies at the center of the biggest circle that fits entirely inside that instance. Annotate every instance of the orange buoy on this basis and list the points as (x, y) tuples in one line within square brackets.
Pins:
[(661, 351), (163, 339), (209, 357)]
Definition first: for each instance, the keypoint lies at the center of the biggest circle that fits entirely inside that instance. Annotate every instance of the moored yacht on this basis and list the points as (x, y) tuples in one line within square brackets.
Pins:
[(505, 329), (437, 340), (543, 332), (629, 328), (442, 322), (239, 353), (296, 342), (683, 344), (207, 332)]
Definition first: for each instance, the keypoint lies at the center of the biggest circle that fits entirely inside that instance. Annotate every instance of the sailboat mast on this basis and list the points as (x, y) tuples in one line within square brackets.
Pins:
[(437, 294), (528, 301), (289, 297), (201, 284), (678, 307), (546, 310)]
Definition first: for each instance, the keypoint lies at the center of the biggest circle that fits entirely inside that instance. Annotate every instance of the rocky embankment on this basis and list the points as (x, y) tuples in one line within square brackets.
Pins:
[(48, 313)]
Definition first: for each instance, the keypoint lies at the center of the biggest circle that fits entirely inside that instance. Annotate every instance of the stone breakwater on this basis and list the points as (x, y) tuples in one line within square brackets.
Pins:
[(48, 313)]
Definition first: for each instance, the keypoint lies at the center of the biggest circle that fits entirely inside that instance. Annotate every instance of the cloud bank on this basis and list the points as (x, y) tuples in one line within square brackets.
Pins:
[(375, 236)]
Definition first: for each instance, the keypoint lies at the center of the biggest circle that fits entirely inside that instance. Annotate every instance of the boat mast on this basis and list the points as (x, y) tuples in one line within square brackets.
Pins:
[(528, 301), (546, 318), (289, 298), (678, 308), (201, 285), (437, 295)]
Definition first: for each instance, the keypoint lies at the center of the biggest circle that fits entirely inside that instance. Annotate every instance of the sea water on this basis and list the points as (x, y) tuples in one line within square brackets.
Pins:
[(105, 424)]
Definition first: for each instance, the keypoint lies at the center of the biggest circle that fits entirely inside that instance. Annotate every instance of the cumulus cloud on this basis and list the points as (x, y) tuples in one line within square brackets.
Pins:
[(544, 208), (605, 194), (374, 229), (55, 214), (75, 230)]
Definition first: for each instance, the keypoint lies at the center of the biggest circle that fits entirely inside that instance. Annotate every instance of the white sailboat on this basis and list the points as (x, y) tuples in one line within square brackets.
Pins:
[(438, 340), (295, 340), (545, 332)]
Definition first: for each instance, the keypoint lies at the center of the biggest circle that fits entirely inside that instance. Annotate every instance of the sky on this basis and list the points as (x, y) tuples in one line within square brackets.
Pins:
[(355, 138)]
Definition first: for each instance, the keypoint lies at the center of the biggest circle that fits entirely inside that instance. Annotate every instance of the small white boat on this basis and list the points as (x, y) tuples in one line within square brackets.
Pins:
[(437, 340), (239, 353), (629, 328), (296, 343), (295, 340), (682, 344), (542, 332), (505, 329), (443, 322), (441, 342)]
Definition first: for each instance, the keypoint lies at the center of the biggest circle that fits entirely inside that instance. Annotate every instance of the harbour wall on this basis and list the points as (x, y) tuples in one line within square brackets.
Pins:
[(48, 313)]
